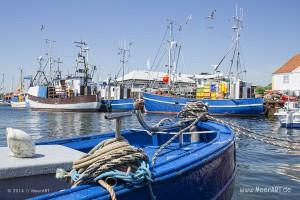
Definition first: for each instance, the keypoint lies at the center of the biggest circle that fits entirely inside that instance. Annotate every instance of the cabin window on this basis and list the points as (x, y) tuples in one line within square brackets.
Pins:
[(286, 79)]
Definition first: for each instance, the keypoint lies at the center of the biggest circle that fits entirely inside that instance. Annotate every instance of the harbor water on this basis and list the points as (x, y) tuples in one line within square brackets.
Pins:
[(263, 171)]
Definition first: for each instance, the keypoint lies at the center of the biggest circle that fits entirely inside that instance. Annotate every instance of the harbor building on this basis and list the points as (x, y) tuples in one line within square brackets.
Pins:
[(286, 78), (138, 81)]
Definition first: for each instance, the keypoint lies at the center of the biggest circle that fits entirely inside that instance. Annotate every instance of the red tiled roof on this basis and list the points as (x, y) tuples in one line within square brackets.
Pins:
[(291, 65)]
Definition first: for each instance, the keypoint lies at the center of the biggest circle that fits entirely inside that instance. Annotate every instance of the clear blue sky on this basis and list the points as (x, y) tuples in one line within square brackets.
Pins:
[(269, 38)]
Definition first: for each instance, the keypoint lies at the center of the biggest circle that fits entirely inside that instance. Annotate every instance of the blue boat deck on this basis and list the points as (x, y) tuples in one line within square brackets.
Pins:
[(174, 163)]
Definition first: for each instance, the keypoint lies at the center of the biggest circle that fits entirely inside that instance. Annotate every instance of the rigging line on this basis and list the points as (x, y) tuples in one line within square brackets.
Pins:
[(177, 60), (232, 60), (117, 75), (242, 61), (227, 52), (161, 44), (157, 73), (160, 60), (182, 58)]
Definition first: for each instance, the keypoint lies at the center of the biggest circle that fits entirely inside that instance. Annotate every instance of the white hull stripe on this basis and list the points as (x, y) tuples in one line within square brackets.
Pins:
[(18, 104), (214, 106), (77, 106)]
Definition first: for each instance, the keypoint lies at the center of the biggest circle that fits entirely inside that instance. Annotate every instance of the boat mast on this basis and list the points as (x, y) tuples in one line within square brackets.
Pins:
[(58, 71), (170, 27), (82, 59), (125, 53), (237, 27), (21, 84), (2, 87), (50, 59)]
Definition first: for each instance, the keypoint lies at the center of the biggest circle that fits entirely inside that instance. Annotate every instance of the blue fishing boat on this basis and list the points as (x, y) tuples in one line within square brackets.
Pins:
[(223, 94), (119, 105), (172, 105), (200, 163)]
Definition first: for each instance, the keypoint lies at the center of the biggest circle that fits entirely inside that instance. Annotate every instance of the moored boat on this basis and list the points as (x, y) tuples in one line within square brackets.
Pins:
[(199, 162), (289, 116), (19, 98), (18, 101), (172, 105), (4, 103), (77, 103), (223, 94), (73, 93)]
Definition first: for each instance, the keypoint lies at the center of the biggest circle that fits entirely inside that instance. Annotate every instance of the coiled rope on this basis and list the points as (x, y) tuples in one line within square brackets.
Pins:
[(109, 161)]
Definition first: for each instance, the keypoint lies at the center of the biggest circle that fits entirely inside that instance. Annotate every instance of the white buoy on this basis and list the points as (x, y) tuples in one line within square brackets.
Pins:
[(19, 143)]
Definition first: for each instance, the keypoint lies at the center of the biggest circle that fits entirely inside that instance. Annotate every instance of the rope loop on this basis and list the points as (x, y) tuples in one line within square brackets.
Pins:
[(107, 163)]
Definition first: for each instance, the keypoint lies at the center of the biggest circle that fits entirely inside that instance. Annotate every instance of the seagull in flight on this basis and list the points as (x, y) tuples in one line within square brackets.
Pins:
[(42, 27), (212, 15), (188, 18)]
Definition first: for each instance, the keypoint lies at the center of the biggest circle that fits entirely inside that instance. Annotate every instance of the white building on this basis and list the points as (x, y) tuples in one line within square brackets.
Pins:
[(138, 81), (287, 77)]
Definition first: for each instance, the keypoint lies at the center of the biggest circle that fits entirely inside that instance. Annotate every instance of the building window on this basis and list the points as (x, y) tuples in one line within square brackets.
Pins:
[(286, 79)]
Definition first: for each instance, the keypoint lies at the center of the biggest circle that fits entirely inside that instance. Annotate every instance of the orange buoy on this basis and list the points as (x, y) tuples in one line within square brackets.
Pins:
[(165, 79)]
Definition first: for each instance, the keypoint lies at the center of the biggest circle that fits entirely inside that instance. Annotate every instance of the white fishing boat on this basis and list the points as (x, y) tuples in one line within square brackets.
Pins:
[(289, 116), (72, 93)]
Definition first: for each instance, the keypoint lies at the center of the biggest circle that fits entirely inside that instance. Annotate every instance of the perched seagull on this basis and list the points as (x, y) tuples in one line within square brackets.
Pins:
[(212, 15)]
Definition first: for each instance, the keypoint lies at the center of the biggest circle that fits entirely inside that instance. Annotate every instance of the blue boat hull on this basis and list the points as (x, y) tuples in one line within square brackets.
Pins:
[(196, 170), (210, 181), (119, 105), (173, 105), (290, 125)]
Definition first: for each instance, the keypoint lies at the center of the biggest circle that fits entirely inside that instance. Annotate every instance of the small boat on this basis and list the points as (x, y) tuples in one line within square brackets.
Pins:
[(4, 103), (198, 163), (289, 116), (18, 101), (232, 107)]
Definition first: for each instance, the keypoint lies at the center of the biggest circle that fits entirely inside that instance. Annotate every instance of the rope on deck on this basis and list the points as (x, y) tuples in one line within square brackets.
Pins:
[(110, 161)]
